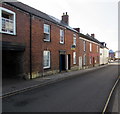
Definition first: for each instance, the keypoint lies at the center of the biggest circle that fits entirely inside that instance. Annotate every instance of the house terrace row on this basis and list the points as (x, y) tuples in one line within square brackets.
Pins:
[(35, 44)]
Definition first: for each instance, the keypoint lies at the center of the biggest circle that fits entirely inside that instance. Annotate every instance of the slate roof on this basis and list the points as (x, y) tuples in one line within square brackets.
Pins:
[(102, 45), (40, 14), (47, 17), (88, 37)]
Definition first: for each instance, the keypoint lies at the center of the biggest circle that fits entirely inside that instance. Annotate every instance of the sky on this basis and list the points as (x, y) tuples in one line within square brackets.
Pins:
[(91, 16)]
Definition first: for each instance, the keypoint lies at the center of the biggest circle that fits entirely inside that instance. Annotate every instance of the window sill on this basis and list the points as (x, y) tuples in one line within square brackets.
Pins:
[(46, 40), (61, 43), (46, 68), (2, 32), (74, 63)]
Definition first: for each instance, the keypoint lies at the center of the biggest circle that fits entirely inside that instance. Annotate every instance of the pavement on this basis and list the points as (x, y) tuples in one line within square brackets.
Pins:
[(15, 86)]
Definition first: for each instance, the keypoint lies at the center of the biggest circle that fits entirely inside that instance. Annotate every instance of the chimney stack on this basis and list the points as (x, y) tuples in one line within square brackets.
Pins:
[(65, 18), (77, 29), (93, 35)]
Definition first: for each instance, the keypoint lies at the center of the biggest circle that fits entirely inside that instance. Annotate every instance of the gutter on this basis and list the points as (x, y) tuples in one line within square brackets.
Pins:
[(41, 17), (30, 46)]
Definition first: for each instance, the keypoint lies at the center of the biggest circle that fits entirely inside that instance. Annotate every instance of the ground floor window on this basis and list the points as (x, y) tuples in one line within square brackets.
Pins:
[(84, 59), (90, 59), (74, 57), (46, 59)]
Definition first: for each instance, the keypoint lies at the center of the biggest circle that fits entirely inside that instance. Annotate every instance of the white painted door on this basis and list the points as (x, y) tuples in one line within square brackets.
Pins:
[(80, 62), (67, 62)]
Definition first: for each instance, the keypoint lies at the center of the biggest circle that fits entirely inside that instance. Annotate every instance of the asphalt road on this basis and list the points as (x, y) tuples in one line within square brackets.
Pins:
[(83, 93)]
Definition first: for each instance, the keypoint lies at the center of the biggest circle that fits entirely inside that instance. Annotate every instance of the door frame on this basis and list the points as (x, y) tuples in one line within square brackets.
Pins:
[(80, 62), (68, 62)]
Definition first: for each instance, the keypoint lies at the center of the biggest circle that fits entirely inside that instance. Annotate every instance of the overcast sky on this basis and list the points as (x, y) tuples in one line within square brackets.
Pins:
[(91, 16)]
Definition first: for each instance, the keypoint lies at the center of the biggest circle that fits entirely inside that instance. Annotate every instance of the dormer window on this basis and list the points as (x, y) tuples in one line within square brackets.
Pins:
[(7, 21)]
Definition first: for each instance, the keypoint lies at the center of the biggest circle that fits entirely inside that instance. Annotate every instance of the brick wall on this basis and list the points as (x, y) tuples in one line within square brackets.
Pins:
[(22, 33), (38, 45), (94, 53)]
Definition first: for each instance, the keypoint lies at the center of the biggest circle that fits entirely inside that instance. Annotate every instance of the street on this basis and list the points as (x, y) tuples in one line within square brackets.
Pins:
[(83, 93)]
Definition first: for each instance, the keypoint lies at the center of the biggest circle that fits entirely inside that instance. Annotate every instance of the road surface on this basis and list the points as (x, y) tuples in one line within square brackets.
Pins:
[(83, 93)]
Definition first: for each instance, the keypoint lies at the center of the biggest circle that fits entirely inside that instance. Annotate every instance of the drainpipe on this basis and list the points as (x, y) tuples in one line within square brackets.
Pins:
[(30, 46)]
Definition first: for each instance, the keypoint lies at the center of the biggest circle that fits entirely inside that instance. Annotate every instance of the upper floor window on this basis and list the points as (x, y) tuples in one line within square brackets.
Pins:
[(97, 48), (7, 21), (61, 36), (46, 32), (46, 59), (90, 47), (84, 45), (74, 39)]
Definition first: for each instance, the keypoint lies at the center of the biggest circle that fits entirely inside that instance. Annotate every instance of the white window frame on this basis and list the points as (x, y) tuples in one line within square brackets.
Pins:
[(74, 58), (62, 33), (48, 33), (90, 59), (45, 67), (14, 20), (84, 45), (90, 47), (74, 39), (84, 59)]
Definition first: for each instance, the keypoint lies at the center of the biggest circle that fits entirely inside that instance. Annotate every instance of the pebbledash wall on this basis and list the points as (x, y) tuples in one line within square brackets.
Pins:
[(63, 56)]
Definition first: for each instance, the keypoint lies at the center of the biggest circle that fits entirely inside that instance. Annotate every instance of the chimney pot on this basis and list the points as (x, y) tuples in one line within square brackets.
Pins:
[(93, 35), (77, 29), (65, 18)]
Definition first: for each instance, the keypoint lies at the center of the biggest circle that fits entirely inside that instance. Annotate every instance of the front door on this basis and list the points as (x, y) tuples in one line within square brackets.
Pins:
[(69, 62), (62, 62)]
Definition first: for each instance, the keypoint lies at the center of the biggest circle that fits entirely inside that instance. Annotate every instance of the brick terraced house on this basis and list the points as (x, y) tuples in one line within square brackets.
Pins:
[(36, 44), (90, 50)]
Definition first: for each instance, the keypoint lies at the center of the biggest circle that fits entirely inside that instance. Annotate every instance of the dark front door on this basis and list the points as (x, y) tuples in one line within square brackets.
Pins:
[(62, 62), (69, 62)]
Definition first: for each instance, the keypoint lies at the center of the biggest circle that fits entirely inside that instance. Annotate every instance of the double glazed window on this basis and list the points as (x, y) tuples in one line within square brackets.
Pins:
[(46, 32), (7, 21), (46, 59), (61, 36)]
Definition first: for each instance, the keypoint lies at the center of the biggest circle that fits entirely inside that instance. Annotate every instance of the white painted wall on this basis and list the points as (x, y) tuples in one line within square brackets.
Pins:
[(101, 56), (117, 54), (104, 54)]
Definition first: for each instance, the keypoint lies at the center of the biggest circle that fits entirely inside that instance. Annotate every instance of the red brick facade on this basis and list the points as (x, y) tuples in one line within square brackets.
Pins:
[(38, 45)]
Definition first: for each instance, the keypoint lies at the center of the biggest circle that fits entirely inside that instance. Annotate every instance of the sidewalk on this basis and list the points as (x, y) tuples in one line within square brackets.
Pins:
[(15, 86)]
